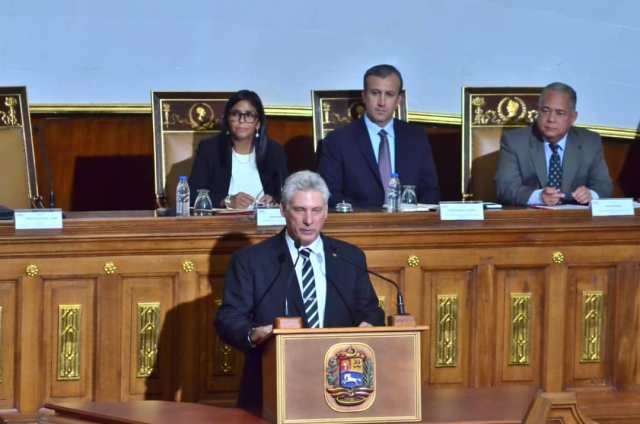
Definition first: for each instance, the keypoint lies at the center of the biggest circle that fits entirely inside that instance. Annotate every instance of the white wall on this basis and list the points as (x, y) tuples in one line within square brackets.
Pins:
[(117, 51)]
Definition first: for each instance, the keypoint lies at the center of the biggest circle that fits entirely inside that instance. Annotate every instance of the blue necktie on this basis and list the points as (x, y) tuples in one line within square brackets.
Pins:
[(555, 168)]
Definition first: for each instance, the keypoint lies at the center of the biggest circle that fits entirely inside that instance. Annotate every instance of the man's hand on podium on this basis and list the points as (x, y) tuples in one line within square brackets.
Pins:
[(258, 334), (365, 324)]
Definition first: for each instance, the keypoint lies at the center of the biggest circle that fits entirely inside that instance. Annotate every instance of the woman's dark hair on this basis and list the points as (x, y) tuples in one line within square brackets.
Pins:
[(259, 142)]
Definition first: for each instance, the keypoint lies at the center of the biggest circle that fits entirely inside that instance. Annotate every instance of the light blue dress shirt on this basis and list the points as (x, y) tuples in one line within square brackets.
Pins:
[(373, 130), (319, 271)]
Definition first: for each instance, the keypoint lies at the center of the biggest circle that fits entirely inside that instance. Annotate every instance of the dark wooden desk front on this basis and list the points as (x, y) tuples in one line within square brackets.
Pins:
[(121, 307)]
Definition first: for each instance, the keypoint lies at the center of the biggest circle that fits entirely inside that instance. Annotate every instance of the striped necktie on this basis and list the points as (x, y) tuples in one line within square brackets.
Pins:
[(309, 290)]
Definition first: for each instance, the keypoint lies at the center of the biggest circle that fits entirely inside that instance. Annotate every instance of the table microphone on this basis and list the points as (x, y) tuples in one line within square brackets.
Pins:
[(400, 297)]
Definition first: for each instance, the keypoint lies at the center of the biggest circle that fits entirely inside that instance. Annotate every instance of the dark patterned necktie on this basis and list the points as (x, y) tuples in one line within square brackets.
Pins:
[(555, 168), (384, 159), (309, 290)]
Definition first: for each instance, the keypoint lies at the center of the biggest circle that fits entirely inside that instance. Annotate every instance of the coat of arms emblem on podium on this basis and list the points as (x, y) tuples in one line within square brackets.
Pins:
[(350, 377)]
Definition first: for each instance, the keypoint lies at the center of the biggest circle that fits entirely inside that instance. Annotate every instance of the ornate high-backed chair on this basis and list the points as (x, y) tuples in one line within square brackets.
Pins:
[(335, 108), (486, 113), (180, 121), (17, 159)]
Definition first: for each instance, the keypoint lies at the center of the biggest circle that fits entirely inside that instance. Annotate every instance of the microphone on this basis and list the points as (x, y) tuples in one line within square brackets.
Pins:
[(282, 258), (400, 297), (47, 167), (296, 244)]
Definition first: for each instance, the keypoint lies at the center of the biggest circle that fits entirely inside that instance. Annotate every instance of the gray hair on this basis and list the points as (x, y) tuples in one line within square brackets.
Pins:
[(304, 181), (562, 88)]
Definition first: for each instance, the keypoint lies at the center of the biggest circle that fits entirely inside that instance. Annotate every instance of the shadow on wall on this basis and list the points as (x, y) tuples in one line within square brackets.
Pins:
[(192, 363), (629, 179)]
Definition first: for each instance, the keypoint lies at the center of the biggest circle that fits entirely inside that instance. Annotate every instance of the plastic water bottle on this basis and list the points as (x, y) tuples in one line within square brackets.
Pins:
[(183, 197), (393, 193)]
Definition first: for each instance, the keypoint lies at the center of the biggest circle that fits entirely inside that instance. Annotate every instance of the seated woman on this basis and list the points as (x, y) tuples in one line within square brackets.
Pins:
[(240, 166)]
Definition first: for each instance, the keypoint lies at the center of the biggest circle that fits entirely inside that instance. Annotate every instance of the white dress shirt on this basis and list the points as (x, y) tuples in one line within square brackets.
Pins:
[(319, 270), (245, 177)]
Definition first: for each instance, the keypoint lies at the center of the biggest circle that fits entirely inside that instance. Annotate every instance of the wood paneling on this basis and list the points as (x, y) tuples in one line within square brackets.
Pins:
[(180, 264), (7, 343), (68, 292)]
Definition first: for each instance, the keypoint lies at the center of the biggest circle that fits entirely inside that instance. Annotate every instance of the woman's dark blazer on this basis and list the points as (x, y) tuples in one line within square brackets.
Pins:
[(212, 169)]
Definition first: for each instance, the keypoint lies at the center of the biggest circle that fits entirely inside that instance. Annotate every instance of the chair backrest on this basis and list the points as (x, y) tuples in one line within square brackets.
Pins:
[(17, 159), (486, 113), (180, 121), (335, 108)]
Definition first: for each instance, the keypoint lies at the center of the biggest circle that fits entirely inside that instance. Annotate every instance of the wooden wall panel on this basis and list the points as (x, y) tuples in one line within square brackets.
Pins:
[(508, 283), (480, 262), (627, 322), (581, 280), (148, 289), (69, 292), (450, 283), (7, 342)]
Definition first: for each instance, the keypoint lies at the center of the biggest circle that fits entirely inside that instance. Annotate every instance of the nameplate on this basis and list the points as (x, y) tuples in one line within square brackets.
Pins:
[(461, 211), (612, 207), (269, 217), (37, 219)]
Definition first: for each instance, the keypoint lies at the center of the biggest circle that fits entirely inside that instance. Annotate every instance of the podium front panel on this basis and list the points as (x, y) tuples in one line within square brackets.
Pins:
[(393, 367)]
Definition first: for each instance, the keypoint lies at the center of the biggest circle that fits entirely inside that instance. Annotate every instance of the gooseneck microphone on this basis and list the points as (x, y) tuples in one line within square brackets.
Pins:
[(296, 244), (400, 297), (282, 258), (47, 167)]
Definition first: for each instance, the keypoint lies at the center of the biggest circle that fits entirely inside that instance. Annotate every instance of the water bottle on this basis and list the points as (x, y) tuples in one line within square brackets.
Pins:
[(393, 193), (183, 198)]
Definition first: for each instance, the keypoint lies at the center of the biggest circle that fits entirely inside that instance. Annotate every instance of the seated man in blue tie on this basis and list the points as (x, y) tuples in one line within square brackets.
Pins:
[(356, 160), (329, 286), (552, 162)]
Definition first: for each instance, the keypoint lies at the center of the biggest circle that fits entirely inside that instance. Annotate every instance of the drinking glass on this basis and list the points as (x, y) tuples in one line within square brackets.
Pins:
[(409, 195), (203, 204)]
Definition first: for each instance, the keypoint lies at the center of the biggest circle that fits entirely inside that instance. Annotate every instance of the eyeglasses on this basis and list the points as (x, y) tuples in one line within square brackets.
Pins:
[(237, 116)]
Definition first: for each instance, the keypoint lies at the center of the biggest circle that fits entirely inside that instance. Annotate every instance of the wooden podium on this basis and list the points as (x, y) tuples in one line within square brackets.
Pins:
[(333, 375)]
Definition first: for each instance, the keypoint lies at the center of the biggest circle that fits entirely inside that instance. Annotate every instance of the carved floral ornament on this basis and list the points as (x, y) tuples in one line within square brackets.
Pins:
[(510, 110), (9, 116)]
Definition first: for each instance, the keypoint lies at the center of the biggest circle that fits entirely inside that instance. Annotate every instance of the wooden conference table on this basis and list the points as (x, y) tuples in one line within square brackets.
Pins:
[(120, 306)]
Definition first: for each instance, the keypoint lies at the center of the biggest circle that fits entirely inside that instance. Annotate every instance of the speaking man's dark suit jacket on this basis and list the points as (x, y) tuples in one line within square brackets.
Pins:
[(348, 165), (211, 169), (254, 294), (522, 165)]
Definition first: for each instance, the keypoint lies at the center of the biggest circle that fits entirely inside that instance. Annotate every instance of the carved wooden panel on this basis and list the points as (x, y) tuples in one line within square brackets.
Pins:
[(450, 326), (7, 342), (511, 285), (589, 325), (143, 325), (69, 337)]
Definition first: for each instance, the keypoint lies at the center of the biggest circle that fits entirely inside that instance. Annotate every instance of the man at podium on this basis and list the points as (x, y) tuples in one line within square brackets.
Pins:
[(297, 273)]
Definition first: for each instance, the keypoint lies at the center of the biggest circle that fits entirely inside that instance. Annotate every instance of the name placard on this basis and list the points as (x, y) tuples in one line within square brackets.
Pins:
[(37, 219), (461, 211), (612, 207), (268, 217)]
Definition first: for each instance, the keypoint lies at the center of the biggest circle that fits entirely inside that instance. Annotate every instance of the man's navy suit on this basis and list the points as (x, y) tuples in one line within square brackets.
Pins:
[(254, 294), (348, 165)]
